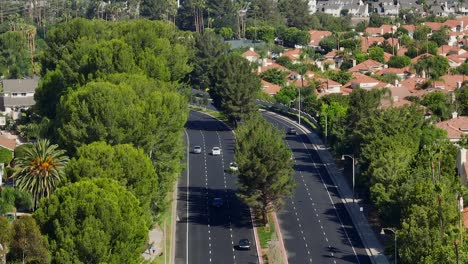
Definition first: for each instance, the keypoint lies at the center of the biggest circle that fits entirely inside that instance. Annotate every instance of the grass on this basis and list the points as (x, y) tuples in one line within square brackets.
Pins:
[(265, 233), (214, 113), (166, 218)]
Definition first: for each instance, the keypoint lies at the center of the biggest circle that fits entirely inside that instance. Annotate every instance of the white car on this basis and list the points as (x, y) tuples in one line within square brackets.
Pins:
[(216, 151), (233, 166), (197, 149)]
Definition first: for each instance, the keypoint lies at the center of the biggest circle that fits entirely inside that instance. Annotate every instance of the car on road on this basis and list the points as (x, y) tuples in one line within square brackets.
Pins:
[(233, 166), (216, 151), (292, 131), (197, 149), (217, 202), (244, 244)]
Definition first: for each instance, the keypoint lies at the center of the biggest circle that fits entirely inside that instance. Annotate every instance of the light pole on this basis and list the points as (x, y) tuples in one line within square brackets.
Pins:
[(300, 102), (394, 231), (351, 156)]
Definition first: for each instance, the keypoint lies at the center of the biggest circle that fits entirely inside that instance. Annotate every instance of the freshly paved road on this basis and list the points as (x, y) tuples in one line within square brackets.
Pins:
[(206, 234), (315, 225)]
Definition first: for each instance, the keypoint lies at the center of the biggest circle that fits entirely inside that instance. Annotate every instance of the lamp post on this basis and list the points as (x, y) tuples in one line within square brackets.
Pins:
[(394, 231), (351, 156), (300, 101)]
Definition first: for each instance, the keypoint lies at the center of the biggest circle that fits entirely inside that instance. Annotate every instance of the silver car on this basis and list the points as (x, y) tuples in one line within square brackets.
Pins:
[(197, 149)]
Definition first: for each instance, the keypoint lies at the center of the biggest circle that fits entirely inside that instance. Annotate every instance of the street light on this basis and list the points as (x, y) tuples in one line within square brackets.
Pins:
[(351, 156), (394, 231)]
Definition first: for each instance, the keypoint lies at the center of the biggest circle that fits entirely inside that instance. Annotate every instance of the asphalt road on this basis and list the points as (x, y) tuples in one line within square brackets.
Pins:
[(315, 225), (206, 234)]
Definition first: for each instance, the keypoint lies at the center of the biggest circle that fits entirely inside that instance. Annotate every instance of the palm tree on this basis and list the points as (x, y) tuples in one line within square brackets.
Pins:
[(38, 169)]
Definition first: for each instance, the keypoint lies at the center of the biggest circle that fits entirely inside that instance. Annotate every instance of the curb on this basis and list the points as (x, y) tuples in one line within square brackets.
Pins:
[(280, 239), (376, 256)]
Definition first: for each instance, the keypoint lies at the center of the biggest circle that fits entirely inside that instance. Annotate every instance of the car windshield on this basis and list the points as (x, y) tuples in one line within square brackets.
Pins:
[(197, 147), (215, 148)]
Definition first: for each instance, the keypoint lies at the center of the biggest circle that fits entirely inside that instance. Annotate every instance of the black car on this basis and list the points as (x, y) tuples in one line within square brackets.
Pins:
[(217, 202), (244, 244), (292, 131)]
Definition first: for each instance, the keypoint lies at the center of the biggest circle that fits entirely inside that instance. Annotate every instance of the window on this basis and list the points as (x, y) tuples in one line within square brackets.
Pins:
[(14, 94), (23, 94)]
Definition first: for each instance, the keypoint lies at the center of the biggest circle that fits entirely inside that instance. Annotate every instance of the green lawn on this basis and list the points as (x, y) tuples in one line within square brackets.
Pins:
[(265, 233)]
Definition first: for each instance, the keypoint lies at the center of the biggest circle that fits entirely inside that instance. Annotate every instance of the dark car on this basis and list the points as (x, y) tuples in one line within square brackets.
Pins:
[(244, 244), (292, 131), (217, 202)]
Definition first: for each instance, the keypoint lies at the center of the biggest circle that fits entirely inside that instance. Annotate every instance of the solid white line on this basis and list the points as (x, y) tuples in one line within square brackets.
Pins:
[(188, 194)]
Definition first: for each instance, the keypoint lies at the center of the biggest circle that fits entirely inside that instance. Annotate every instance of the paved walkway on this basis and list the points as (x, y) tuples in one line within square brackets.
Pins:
[(373, 246), (155, 244)]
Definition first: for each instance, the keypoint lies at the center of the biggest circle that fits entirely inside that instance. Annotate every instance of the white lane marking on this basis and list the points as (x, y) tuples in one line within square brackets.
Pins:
[(187, 199), (281, 120), (227, 196), (206, 193)]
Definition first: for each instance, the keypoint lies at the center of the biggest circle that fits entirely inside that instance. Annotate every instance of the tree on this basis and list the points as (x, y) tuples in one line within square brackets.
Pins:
[(265, 166), (377, 54), (399, 62), (5, 238), (342, 77), (235, 87), (435, 66), (12, 200), (440, 36), (296, 13), (27, 243), (275, 76), (129, 166), (14, 55), (421, 32), (159, 9), (226, 32), (208, 48), (461, 96), (328, 43), (437, 103), (94, 221), (39, 169)]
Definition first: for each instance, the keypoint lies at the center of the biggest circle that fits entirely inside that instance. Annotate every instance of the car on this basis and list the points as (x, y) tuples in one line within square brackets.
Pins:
[(216, 151), (217, 202), (233, 166), (292, 131), (244, 244), (197, 149)]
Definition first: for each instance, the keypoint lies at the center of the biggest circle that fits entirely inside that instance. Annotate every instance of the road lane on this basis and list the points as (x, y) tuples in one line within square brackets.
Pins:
[(316, 227), (212, 232)]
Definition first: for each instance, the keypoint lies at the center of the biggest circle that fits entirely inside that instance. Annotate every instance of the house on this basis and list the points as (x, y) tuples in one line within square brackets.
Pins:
[(18, 94), (462, 167), (380, 31), (366, 42), (270, 88), (411, 28), (293, 54), (455, 127), (402, 73), (328, 86), (446, 50), (413, 85), (327, 64), (251, 55), (267, 64), (424, 55), (450, 83), (367, 66), (316, 36), (364, 81), (434, 25), (454, 61), (387, 56)]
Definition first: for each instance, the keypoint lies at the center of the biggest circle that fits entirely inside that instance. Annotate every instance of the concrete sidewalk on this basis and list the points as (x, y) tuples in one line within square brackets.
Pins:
[(374, 248)]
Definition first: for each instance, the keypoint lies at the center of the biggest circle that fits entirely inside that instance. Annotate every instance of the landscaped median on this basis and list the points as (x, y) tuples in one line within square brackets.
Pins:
[(269, 241)]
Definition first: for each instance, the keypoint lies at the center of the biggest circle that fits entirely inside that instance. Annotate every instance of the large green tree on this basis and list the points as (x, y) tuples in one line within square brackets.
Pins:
[(234, 87), (39, 169), (15, 59), (27, 243), (127, 165), (94, 221), (265, 165)]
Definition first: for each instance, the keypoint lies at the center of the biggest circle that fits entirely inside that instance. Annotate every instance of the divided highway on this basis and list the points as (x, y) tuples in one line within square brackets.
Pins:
[(206, 233), (315, 225)]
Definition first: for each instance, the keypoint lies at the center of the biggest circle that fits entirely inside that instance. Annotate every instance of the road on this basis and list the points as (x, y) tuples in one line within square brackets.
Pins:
[(206, 234), (315, 225)]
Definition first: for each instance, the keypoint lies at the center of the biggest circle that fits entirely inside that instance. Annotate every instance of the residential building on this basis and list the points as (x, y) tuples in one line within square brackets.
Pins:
[(364, 82), (316, 36), (368, 66), (455, 127), (18, 94), (270, 88), (251, 55)]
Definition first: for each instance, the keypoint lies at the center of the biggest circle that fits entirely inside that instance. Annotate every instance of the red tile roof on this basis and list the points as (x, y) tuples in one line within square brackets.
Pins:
[(366, 42), (434, 25), (455, 127), (370, 65), (293, 54), (401, 51), (317, 35), (270, 88), (250, 53), (7, 143), (445, 49), (380, 30), (410, 28), (387, 56), (452, 23), (393, 70), (411, 84), (450, 82)]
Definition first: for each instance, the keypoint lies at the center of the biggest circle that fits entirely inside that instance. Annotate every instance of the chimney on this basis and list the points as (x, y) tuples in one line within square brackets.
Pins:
[(251, 48), (395, 98), (396, 83), (264, 62), (354, 63), (459, 84), (259, 70), (461, 162), (454, 115)]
